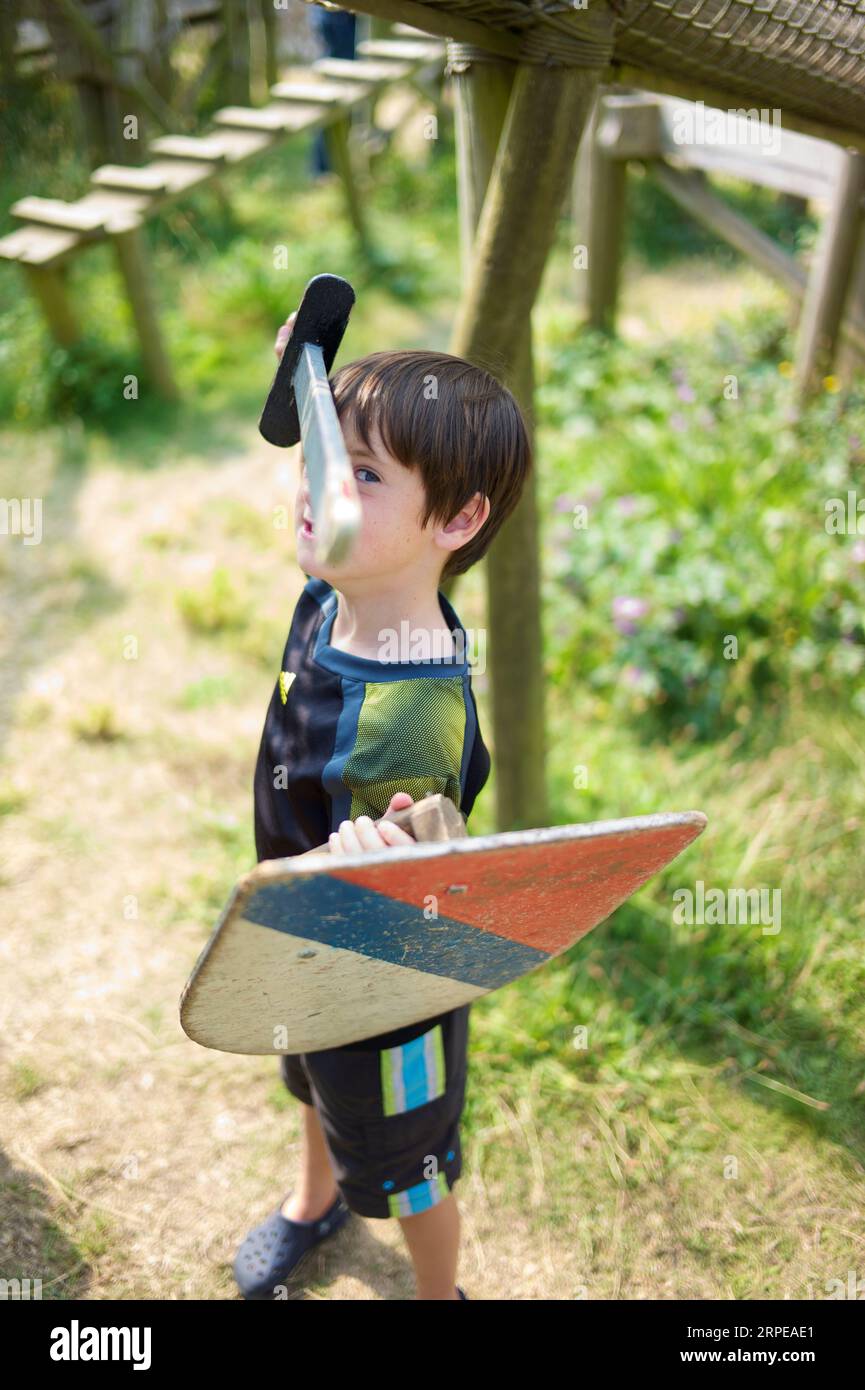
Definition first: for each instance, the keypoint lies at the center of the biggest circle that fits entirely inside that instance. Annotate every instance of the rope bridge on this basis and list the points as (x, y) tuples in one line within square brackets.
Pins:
[(806, 57)]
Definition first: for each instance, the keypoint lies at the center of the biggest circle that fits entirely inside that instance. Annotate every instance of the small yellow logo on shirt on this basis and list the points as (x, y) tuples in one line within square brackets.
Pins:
[(285, 680)]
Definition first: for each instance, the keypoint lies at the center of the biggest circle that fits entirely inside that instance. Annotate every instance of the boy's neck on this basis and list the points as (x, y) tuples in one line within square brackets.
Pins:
[(361, 618)]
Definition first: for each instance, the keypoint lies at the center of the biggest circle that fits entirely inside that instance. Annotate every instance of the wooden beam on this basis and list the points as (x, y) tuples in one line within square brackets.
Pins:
[(629, 126), (691, 191), (651, 80), (800, 164)]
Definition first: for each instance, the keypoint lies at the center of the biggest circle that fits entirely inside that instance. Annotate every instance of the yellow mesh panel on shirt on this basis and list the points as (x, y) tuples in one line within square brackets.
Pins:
[(410, 737)]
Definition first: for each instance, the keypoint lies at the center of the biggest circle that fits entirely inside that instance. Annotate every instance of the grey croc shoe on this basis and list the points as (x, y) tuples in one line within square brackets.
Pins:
[(274, 1249)]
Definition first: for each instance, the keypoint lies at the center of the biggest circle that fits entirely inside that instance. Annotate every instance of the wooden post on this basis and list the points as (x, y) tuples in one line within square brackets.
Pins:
[(828, 282), (236, 31), (546, 113), (132, 260), (482, 88), (851, 358), (336, 135), (581, 203), (48, 284), (8, 40), (608, 179), (270, 30)]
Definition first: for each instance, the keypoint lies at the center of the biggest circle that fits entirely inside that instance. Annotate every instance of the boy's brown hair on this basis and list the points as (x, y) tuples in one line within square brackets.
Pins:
[(453, 421)]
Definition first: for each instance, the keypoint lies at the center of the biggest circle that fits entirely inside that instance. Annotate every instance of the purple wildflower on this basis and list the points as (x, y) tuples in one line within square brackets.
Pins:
[(626, 613)]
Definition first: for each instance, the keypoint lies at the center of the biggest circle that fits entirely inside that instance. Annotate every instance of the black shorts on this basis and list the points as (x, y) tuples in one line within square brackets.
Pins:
[(390, 1115)]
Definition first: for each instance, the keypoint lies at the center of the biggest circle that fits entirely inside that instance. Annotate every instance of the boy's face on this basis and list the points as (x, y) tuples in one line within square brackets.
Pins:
[(391, 544)]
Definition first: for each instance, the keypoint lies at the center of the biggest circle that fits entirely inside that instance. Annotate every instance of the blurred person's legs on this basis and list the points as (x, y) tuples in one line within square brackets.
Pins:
[(336, 30)]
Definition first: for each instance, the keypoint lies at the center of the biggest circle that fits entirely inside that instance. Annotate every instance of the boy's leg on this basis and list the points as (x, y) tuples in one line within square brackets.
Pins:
[(316, 1185), (433, 1239)]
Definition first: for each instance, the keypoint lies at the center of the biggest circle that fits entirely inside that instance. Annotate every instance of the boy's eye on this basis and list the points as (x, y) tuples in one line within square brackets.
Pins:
[(373, 476)]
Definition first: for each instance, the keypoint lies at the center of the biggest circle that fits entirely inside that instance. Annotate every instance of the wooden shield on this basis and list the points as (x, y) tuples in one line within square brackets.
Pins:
[(315, 952)]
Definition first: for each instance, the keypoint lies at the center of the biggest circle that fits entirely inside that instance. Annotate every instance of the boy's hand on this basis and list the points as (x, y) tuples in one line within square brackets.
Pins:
[(284, 334), (362, 835)]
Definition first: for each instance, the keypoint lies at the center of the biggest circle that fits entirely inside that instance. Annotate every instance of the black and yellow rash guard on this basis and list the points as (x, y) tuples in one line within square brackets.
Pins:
[(343, 733)]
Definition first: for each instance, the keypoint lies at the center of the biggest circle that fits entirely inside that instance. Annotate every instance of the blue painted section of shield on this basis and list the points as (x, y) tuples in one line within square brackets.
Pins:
[(328, 909)]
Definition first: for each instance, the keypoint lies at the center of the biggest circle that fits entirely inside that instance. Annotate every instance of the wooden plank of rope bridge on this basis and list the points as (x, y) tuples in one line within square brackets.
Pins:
[(412, 51), (39, 251), (199, 13), (285, 117), (206, 148), (234, 145), (33, 39), (93, 213), (408, 31), (374, 71), (329, 92), (159, 176), (40, 246)]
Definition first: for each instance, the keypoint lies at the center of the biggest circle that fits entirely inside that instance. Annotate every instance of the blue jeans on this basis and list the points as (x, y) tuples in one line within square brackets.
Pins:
[(335, 30)]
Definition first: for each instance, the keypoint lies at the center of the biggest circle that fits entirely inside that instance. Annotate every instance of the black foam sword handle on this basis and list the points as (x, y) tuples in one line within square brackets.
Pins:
[(321, 319)]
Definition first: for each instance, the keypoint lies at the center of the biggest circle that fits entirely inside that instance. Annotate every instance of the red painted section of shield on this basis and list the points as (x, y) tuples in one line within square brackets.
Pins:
[(542, 895)]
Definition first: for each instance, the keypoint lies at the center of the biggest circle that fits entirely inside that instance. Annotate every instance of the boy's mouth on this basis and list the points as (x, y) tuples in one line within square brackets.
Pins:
[(306, 528)]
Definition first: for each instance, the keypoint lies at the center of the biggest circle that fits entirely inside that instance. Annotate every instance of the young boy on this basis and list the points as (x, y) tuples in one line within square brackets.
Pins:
[(440, 455)]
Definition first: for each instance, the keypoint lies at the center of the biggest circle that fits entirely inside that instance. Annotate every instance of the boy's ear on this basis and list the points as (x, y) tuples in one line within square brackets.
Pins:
[(467, 522)]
